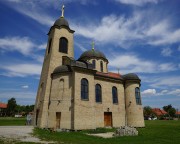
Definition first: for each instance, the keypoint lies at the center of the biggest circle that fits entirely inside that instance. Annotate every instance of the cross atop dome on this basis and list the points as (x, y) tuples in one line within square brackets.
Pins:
[(92, 45), (62, 10)]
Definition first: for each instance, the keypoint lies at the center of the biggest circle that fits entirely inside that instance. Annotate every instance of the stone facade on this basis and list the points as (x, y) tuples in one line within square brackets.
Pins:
[(59, 102)]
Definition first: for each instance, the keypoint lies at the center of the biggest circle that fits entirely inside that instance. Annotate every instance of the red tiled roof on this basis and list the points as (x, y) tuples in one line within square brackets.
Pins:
[(178, 112), (109, 74), (3, 105), (158, 111)]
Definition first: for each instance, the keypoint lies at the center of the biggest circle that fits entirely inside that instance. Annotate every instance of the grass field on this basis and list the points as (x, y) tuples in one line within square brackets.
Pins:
[(156, 132), (11, 121)]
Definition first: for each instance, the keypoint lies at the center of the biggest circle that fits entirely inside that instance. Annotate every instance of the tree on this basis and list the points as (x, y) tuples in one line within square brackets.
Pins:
[(170, 110), (148, 112), (11, 106)]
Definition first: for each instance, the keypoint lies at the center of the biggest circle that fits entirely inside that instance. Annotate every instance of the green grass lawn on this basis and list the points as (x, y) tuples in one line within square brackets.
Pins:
[(155, 132), (11, 121)]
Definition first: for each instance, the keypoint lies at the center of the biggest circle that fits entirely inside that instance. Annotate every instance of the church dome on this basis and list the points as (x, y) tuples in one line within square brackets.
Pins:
[(131, 76), (61, 22), (61, 69), (92, 54)]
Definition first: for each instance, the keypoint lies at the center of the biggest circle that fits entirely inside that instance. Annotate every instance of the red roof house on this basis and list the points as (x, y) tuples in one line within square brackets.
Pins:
[(159, 112), (3, 105)]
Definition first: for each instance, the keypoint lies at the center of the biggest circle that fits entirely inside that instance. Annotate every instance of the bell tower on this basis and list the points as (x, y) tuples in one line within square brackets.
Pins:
[(60, 43)]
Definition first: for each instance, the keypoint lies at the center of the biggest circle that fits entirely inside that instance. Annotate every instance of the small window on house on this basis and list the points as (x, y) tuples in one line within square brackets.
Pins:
[(101, 65), (98, 93), (84, 89), (94, 63), (114, 95), (137, 95), (63, 45), (49, 46)]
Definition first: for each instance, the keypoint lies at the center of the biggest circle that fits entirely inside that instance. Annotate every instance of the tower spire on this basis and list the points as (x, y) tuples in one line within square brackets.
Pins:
[(62, 10), (92, 45)]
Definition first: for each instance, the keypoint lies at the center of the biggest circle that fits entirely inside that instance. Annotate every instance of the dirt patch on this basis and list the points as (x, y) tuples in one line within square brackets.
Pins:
[(19, 133), (104, 135)]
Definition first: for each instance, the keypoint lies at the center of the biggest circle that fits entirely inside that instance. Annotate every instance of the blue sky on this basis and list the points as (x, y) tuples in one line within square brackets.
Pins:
[(139, 36)]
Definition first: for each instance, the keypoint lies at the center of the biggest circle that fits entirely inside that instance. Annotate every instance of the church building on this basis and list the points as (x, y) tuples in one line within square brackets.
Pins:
[(83, 94)]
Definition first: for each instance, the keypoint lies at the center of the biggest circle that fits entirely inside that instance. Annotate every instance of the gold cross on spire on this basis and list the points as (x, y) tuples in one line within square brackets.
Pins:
[(62, 9), (92, 45)]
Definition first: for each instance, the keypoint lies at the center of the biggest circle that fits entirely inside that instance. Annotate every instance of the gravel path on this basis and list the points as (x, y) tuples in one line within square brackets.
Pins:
[(19, 133)]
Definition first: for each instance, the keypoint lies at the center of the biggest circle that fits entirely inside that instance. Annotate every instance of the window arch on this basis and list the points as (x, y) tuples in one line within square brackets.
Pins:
[(98, 92), (49, 46), (137, 95), (114, 95), (84, 89), (94, 63), (101, 65), (63, 45)]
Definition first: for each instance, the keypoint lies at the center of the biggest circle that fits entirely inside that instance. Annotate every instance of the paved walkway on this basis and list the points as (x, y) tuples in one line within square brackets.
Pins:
[(19, 133)]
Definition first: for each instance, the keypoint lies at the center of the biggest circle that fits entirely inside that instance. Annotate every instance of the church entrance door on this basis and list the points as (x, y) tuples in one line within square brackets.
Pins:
[(107, 119), (58, 119)]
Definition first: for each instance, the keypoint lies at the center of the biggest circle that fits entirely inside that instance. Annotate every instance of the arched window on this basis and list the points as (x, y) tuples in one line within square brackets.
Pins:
[(84, 89), (101, 65), (98, 93), (137, 95), (114, 95), (49, 46), (94, 63), (63, 45)]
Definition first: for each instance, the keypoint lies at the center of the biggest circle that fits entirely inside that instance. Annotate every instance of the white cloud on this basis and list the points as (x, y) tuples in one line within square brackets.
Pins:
[(166, 52), (131, 63), (128, 31), (165, 92), (174, 92), (22, 97), (137, 2), (20, 44), (119, 30), (162, 81), (149, 92), (25, 86), (169, 81), (34, 10), (21, 70), (42, 46), (80, 47)]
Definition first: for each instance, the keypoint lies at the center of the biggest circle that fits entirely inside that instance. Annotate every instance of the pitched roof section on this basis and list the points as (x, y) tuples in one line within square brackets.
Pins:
[(110, 74), (3, 105), (159, 112), (178, 113)]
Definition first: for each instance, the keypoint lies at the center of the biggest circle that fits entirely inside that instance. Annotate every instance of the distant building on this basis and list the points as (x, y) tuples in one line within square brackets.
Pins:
[(3, 107), (159, 112), (83, 94)]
